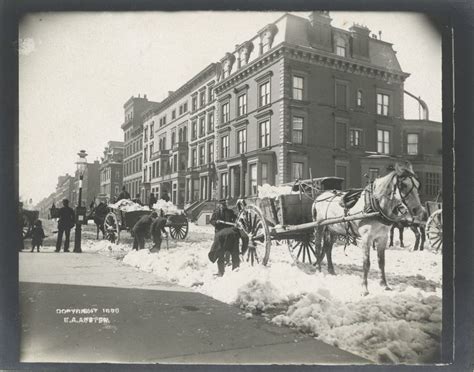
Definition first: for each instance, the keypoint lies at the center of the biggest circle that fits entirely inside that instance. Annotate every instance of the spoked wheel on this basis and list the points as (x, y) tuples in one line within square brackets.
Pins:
[(179, 231), (434, 230), (253, 224), (303, 249), (112, 228)]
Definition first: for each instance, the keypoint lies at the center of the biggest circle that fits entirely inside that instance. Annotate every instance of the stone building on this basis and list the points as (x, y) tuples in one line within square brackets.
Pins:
[(133, 143), (111, 170), (90, 185)]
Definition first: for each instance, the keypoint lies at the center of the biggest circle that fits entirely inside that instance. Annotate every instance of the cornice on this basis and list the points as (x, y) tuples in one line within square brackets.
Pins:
[(223, 98), (264, 76), (241, 89), (263, 114), (240, 123), (224, 129)]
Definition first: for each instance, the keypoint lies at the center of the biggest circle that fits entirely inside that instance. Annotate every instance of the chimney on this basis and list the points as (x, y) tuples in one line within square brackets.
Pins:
[(144, 96), (170, 92), (320, 17), (380, 35)]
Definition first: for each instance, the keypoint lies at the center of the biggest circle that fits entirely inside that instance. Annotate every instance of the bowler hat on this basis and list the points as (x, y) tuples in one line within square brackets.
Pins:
[(223, 201)]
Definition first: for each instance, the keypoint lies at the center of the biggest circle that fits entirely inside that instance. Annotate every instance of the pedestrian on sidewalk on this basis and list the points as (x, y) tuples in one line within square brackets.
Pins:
[(141, 230), (157, 228), (65, 224), (37, 236), (123, 194), (152, 201)]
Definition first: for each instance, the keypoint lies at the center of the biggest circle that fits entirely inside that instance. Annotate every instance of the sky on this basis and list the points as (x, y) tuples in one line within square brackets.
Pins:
[(76, 70)]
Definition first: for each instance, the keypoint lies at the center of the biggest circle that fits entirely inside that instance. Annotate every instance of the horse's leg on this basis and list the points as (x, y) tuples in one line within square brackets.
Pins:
[(328, 243), (381, 245), (391, 235), (400, 231), (417, 236), (97, 225), (318, 238), (366, 244), (422, 235)]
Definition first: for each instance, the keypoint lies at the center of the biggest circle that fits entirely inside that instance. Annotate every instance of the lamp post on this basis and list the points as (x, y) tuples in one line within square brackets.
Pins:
[(80, 213)]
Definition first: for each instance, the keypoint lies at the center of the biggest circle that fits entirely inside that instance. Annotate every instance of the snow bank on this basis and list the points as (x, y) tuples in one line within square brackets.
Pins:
[(398, 326), (127, 205), (268, 191), (167, 207)]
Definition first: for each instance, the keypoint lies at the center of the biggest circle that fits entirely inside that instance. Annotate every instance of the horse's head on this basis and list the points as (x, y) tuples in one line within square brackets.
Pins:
[(397, 193)]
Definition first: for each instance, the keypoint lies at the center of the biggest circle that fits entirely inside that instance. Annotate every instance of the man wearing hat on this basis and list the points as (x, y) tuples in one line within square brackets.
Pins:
[(158, 228), (222, 213), (66, 222), (141, 230)]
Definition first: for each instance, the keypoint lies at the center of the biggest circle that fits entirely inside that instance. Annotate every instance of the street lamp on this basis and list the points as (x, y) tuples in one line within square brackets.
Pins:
[(80, 211)]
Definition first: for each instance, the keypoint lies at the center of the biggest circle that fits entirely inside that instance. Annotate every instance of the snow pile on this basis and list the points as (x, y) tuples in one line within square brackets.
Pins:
[(268, 191), (127, 205), (402, 325), (167, 207)]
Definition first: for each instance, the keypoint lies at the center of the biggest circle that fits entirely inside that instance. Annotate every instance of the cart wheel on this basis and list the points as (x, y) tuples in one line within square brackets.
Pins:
[(434, 230), (26, 228), (252, 222), (179, 231), (303, 250), (112, 228)]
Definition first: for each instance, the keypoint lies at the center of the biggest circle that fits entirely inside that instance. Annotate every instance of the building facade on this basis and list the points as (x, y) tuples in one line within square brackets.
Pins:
[(90, 185), (111, 170), (133, 143)]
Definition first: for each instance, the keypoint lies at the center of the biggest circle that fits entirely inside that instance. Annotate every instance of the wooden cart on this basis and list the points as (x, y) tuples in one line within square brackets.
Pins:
[(118, 220), (287, 217), (28, 218), (434, 225)]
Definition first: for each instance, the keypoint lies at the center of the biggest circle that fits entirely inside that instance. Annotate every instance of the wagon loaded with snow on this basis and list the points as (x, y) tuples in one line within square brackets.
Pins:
[(28, 218), (124, 215), (285, 217)]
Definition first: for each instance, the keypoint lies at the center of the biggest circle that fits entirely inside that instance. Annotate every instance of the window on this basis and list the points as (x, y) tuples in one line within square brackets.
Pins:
[(211, 94), (383, 104), (210, 152), (180, 109), (373, 173), (173, 114), (341, 171), (210, 122), (193, 157), (194, 103), (158, 168), (264, 134), (253, 179), (145, 134), (173, 138), (264, 173), (153, 170), (145, 150), (341, 95), (383, 141), (152, 146), (202, 98), (202, 126), (152, 128), (297, 129), (185, 134), (355, 137), (185, 107), (297, 170), (225, 112), (359, 98), (432, 183), (202, 156), (164, 120), (264, 94), (224, 147), (341, 47), (242, 105), (298, 85), (193, 130), (175, 163), (242, 141), (149, 174), (224, 185), (341, 136), (412, 144)]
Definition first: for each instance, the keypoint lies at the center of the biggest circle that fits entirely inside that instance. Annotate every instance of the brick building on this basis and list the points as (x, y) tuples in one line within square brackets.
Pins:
[(133, 143), (90, 185), (111, 170)]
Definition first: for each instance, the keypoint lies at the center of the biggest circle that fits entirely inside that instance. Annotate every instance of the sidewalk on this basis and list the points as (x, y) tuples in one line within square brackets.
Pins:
[(157, 321)]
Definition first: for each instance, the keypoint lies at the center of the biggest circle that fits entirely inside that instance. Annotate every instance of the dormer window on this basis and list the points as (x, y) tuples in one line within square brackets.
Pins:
[(244, 53), (341, 47), (266, 38)]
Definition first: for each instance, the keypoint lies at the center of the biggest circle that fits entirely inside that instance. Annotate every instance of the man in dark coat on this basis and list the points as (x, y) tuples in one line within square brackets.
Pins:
[(65, 224), (157, 228), (141, 230), (222, 213), (137, 200), (123, 194), (226, 240), (152, 201)]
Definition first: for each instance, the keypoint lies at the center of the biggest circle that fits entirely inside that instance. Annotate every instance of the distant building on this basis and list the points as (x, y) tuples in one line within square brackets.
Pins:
[(90, 185), (111, 170), (133, 143)]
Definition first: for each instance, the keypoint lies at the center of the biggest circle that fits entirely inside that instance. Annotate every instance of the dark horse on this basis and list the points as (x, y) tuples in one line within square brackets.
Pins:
[(394, 196), (98, 214)]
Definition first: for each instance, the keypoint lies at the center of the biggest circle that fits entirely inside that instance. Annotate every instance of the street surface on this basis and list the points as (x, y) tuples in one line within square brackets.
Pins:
[(156, 321)]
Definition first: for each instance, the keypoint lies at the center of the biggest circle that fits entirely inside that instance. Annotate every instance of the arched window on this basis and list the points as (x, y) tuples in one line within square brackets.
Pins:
[(341, 47)]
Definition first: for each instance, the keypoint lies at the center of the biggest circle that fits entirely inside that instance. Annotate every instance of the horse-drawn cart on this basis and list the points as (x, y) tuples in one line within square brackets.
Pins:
[(434, 225), (287, 217), (118, 220), (28, 218)]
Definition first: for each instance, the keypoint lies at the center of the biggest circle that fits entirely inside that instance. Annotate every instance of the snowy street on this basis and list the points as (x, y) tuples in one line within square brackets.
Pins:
[(398, 326)]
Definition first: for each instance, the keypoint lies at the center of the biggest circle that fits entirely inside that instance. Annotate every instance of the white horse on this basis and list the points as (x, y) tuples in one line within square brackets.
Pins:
[(394, 196)]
